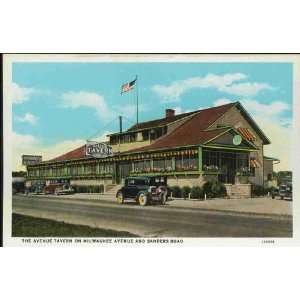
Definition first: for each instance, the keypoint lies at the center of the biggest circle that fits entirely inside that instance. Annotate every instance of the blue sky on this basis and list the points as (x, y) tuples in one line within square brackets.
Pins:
[(58, 102)]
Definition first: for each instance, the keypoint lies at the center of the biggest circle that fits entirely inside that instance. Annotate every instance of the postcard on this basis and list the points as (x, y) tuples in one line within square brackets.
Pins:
[(151, 149)]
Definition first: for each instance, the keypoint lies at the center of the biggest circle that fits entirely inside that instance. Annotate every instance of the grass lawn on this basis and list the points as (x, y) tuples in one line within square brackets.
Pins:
[(26, 226)]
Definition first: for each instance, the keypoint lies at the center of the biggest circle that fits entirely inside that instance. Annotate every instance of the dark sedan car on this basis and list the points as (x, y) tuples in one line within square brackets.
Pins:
[(284, 191), (144, 190)]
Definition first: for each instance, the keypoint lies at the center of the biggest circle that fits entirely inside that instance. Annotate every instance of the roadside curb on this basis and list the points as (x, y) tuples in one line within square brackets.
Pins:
[(236, 213), (180, 207)]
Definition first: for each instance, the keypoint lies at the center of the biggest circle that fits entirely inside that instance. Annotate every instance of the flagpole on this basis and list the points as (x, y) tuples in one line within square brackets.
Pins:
[(137, 101)]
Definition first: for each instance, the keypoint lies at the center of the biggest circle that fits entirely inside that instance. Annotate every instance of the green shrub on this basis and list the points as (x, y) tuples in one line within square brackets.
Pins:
[(185, 191), (214, 189), (218, 189), (196, 192), (258, 190), (207, 186), (176, 191)]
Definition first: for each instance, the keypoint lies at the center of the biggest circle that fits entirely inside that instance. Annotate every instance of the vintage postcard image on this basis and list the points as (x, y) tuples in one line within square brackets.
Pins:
[(150, 149)]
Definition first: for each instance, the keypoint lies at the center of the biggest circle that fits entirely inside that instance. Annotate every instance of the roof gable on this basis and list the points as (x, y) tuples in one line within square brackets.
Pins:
[(253, 124), (226, 139)]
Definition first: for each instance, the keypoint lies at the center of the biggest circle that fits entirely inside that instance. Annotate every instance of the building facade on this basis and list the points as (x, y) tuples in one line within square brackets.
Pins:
[(220, 143)]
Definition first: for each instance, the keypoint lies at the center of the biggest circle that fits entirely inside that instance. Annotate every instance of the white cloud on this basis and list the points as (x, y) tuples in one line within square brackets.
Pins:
[(281, 141), (28, 144), (246, 89), (255, 107), (27, 118), (273, 109), (94, 101), (128, 110), (223, 83), (19, 94), (179, 110), (222, 101)]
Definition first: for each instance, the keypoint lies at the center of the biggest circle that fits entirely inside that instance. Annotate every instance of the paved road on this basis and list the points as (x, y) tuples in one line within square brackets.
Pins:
[(153, 221)]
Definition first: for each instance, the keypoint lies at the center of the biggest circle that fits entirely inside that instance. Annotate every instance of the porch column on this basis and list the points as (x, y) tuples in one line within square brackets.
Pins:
[(200, 158), (173, 164)]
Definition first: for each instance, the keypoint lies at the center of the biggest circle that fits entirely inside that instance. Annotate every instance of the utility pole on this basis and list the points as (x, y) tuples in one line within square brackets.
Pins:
[(120, 124), (137, 101)]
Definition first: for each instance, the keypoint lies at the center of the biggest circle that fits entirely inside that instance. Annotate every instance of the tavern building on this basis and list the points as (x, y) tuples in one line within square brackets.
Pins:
[(221, 143)]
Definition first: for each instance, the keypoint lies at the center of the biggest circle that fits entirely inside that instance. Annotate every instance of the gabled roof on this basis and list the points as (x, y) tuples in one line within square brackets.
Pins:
[(193, 131), (74, 154), (159, 122)]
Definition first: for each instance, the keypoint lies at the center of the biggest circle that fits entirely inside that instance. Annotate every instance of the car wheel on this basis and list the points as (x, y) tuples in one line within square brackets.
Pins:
[(281, 197), (163, 198), (143, 199), (56, 192), (120, 198)]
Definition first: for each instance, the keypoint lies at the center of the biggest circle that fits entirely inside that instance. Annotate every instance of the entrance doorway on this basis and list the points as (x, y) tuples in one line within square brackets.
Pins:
[(228, 167), (123, 171)]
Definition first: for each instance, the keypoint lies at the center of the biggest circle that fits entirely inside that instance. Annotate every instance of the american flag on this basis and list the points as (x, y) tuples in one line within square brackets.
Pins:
[(128, 86)]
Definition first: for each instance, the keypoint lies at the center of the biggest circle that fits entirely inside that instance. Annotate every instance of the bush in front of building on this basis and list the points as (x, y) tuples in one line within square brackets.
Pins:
[(259, 190), (214, 189), (197, 192), (185, 191), (176, 191), (89, 189)]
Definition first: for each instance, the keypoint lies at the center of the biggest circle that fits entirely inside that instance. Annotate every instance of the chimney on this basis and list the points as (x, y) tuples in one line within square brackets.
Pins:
[(170, 113)]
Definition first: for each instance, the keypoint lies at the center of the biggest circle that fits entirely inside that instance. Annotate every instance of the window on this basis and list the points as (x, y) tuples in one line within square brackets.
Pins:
[(106, 168), (145, 135), (142, 166), (162, 164), (210, 159), (185, 162), (136, 181), (127, 138), (242, 160), (113, 140)]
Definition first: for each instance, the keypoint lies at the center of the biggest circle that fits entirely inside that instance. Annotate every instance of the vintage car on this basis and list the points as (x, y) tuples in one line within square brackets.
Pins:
[(58, 189), (144, 190), (284, 191), (35, 189)]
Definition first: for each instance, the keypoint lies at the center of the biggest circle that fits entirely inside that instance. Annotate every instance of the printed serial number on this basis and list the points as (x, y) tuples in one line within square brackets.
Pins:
[(268, 241)]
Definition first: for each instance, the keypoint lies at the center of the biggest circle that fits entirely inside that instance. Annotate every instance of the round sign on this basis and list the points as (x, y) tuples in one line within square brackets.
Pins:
[(237, 139)]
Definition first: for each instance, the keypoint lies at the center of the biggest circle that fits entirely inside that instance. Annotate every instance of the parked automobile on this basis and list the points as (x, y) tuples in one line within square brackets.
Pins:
[(35, 189), (18, 185), (144, 190), (58, 189), (284, 191)]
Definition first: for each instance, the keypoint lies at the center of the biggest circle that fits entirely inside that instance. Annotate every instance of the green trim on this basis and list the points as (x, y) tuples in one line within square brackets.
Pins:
[(175, 173), (222, 133), (210, 173), (228, 130), (70, 177), (216, 146)]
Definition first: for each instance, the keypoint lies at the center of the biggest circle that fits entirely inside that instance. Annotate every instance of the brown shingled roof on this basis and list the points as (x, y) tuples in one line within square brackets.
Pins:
[(74, 154), (187, 135), (159, 122)]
